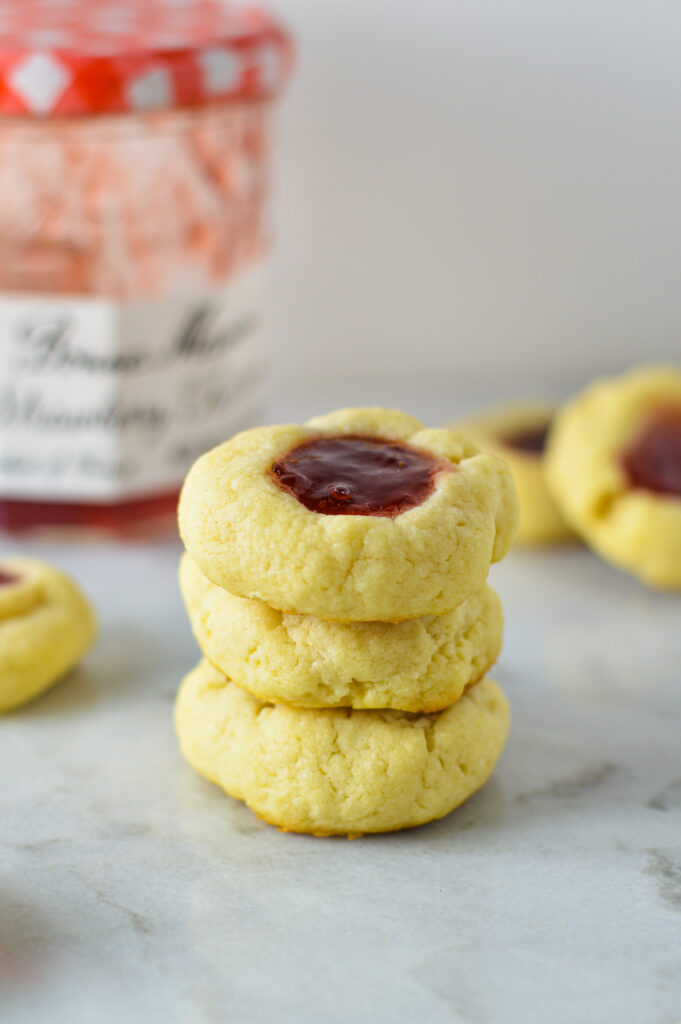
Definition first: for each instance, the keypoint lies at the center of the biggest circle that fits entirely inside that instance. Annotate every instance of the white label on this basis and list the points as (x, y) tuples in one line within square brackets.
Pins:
[(101, 400)]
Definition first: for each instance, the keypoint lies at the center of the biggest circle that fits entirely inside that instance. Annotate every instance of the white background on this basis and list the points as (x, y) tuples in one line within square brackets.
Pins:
[(488, 194)]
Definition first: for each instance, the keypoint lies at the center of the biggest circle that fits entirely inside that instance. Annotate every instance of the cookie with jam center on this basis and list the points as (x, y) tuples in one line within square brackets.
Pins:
[(359, 515), (517, 432), (46, 626), (614, 468), (423, 664), (339, 771)]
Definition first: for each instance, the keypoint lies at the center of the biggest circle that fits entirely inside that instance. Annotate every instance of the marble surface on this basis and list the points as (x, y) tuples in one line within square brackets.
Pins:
[(131, 890)]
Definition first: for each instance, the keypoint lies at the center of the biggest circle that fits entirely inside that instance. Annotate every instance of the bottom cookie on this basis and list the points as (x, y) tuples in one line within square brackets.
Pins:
[(339, 771)]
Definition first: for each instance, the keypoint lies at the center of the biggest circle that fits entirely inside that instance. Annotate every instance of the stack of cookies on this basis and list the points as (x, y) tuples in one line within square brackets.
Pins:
[(335, 579)]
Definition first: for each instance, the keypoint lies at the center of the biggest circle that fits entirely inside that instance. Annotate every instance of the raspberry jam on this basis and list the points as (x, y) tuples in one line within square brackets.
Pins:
[(531, 441), (356, 475), (652, 461)]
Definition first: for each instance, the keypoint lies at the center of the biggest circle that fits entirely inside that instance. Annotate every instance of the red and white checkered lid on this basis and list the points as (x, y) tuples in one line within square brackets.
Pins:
[(65, 57)]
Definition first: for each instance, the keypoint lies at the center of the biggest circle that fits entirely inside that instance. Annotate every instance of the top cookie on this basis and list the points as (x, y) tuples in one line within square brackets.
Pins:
[(360, 515), (614, 466)]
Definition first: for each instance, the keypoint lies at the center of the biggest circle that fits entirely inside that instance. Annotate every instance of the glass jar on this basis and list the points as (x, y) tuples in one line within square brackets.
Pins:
[(133, 247)]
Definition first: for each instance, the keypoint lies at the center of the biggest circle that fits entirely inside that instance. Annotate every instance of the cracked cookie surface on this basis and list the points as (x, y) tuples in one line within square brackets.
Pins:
[(636, 528), (257, 541), (337, 770), (423, 664), (46, 626)]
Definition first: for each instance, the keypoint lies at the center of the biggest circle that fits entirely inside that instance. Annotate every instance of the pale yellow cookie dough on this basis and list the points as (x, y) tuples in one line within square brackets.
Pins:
[(257, 541), (637, 530), (540, 521), (46, 626), (339, 771), (420, 665)]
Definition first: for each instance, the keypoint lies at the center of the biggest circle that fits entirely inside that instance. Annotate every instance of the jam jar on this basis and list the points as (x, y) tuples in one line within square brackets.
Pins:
[(135, 144)]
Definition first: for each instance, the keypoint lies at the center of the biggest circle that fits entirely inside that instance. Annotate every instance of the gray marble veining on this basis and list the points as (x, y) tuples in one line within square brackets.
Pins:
[(132, 890)]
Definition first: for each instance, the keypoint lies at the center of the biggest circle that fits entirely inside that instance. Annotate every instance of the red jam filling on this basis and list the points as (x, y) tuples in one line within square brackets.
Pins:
[(652, 461), (355, 475), (8, 578), (531, 441)]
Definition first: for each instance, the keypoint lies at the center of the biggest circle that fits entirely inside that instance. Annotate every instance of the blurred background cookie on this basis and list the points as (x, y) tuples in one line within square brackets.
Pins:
[(614, 468), (46, 626), (517, 432)]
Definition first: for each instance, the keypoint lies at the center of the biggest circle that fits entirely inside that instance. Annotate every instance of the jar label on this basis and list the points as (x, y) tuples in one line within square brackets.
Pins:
[(102, 400)]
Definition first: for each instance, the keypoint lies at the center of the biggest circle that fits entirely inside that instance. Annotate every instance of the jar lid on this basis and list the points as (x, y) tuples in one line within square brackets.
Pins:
[(66, 57)]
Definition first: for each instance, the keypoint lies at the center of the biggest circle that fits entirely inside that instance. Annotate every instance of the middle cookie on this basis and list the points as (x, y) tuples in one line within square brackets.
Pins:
[(422, 664)]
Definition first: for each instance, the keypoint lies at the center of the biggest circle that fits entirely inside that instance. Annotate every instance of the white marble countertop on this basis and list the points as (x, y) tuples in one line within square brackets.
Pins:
[(131, 890)]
